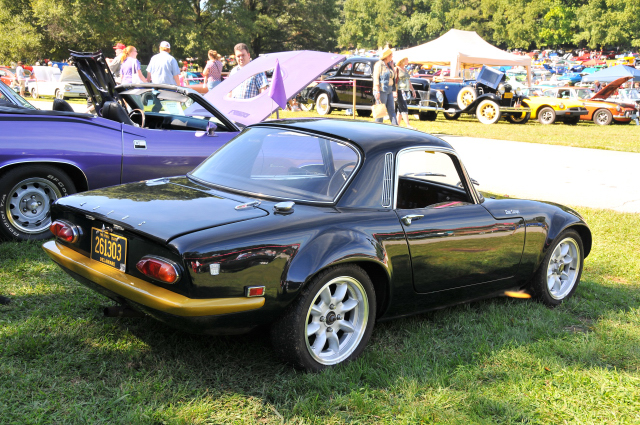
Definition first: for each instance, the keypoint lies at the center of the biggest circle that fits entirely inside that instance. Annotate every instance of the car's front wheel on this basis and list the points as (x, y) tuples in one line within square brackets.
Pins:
[(428, 116), (323, 105), (546, 115), (488, 112), (59, 94), (451, 116), (602, 117), (26, 195), (330, 322), (560, 271)]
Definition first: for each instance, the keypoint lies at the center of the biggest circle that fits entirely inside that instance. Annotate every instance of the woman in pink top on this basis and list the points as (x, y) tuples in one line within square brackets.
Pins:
[(130, 66), (213, 71)]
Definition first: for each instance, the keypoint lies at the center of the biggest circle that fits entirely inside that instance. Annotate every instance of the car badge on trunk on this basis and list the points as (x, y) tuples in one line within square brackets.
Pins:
[(252, 204)]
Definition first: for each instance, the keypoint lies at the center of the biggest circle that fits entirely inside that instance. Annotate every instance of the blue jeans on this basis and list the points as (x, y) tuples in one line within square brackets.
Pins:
[(211, 84), (387, 100)]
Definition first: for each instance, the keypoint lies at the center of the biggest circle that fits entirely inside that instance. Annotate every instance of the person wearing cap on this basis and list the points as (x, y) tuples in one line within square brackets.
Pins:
[(21, 78), (163, 68), (252, 86), (384, 84), (116, 63)]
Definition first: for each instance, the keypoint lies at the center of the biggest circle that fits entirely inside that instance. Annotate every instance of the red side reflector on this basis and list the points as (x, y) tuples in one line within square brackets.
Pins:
[(254, 291), (159, 269), (64, 230)]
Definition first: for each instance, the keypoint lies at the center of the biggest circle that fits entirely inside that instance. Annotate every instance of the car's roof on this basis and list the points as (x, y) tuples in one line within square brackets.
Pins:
[(369, 136)]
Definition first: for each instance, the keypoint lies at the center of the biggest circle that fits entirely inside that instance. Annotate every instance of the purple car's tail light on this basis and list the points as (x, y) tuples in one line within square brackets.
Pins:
[(64, 230)]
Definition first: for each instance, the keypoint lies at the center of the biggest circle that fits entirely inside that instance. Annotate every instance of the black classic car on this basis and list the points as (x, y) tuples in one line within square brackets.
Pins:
[(335, 92), (316, 228), (488, 97)]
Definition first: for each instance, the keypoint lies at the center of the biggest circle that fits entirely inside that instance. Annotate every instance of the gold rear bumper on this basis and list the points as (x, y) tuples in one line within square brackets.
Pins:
[(143, 292)]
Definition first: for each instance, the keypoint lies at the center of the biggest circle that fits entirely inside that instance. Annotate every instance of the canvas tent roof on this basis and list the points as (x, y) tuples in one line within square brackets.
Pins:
[(462, 49), (609, 74)]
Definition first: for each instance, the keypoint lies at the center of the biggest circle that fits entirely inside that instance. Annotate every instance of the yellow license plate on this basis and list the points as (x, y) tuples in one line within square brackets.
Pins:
[(507, 95), (109, 249)]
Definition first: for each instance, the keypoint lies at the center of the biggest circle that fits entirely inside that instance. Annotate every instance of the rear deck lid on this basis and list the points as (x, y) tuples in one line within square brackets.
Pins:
[(162, 209)]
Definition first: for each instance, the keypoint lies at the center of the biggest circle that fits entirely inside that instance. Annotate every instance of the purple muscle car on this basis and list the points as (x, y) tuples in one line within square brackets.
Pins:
[(141, 132)]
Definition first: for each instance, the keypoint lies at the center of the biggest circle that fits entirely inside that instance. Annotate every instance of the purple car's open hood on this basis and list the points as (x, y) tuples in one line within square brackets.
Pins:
[(298, 68)]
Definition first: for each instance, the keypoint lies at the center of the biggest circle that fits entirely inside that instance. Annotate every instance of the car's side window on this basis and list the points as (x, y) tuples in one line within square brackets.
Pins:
[(430, 179), (362, 69), (347, 69)]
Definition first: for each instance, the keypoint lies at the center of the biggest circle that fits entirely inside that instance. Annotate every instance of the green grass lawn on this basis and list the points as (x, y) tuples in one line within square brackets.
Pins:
[(496, 361), (617, 137)]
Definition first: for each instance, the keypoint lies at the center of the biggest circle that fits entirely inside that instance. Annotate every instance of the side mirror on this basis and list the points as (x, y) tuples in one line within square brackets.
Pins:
[(210, 131)]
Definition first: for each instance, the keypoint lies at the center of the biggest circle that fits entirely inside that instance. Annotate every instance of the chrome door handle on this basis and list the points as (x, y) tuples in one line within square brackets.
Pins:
[(408, 218)]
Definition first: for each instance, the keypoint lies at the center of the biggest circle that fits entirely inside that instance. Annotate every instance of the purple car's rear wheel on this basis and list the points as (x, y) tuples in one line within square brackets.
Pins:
[(330, 323), (26, 196)]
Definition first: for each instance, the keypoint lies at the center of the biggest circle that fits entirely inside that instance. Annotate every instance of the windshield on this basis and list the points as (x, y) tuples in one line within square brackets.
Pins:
[(281, 164), (584, 93)]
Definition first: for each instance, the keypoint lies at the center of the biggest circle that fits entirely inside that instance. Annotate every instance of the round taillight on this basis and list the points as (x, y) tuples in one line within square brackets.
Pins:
[(64, 230), (160, 269)]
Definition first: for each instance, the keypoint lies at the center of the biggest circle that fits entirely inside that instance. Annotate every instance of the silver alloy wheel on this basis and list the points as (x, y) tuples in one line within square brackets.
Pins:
[(322, 104), (563, 268), (336, 320), (602, 117), (29, 205)]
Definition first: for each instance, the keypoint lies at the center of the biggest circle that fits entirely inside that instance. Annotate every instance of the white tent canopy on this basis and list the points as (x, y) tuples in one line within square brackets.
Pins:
[(462, 49)]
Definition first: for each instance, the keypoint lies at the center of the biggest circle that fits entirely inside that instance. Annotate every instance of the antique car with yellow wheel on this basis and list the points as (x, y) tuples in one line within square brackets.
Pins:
[(488, 97)]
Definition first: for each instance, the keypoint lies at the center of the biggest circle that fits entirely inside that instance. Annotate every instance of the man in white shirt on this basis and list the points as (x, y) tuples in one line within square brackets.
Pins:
[(163, 68)]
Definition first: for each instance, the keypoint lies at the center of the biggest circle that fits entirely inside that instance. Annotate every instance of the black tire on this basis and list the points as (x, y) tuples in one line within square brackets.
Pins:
[(546, 115), (451, 117), (572, 120), (323, 105), (602, 117), (428, 116), (365, 113), (290, 333), (36, 187), (553, 263), (521, 118)]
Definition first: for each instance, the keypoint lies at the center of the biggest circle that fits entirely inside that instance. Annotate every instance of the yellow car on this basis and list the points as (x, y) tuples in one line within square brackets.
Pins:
[(549, 109)]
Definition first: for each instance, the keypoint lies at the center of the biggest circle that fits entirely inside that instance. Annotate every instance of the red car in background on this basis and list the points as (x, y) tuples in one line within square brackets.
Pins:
[(8, 75)]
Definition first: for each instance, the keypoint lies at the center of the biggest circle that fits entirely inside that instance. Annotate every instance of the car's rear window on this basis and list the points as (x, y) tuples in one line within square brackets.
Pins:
[(282, 164)]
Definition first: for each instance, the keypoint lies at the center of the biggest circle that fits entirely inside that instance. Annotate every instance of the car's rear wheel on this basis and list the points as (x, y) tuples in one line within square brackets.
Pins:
[(521, 118), (34, 93), (602, 117), (363, 113), (559, 273), (466, 96), (322, 104), (26, 195), (488, 112), (546, 115), (451, 117), (330, 322)]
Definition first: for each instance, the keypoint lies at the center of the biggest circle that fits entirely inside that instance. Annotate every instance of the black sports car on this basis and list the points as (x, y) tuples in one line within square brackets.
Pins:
[(317, 228)]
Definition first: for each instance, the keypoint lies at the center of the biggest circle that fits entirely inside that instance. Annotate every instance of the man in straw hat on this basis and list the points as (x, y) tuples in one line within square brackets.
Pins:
[(384, 84)]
